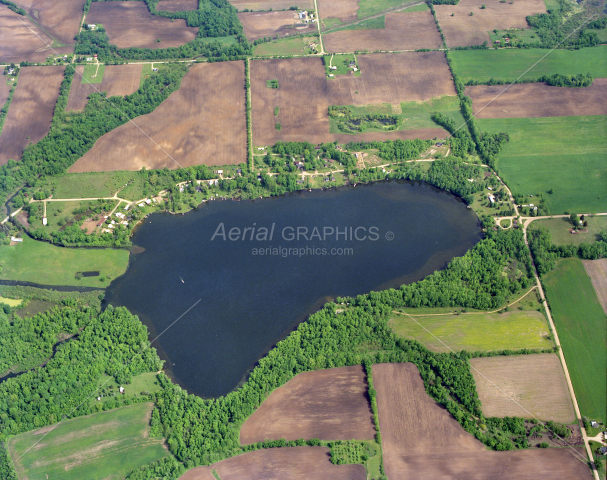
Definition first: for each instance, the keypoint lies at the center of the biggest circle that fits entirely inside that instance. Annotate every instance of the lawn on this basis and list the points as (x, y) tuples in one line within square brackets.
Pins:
[(560, 230), (46, 264), (289, 46), (565, 155), (509, 64), (580, 324), (105, 445), (92, 75), (475, 331), (342, 62)]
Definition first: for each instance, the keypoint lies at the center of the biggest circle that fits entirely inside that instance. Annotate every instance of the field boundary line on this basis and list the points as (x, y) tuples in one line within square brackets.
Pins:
[(107, 99), (575, 453), (97, 388), (468, 313)]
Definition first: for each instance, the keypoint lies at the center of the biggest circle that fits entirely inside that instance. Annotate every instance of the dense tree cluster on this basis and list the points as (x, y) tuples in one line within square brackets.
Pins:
[(12, 6), (546, 254), (556, 80), (394, 150)]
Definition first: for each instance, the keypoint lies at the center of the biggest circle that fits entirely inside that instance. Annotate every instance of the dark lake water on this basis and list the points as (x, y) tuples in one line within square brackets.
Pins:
[(397, 233)]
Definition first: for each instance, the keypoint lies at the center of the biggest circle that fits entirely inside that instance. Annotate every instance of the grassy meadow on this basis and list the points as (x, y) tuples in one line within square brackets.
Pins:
[(286, 46), (46, 264), (562, 154), (560, 230), (102, 446), (475, 331), (89, 185), (582, 330), (92, 74), (510, 64)]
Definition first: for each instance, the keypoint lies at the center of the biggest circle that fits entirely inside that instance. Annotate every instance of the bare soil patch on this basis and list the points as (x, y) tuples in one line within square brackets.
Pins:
[(463, 29), (404, 31), (201, 123), (327, 404), (117, 80), (269, 24), (60, 19), (293, 463), (420, 439), (536, 382), (597, 271), (345, 10), (177, 5), (31, 110), (538, 100), (130, 24), (272, 4), (21, 39), (305, 93)]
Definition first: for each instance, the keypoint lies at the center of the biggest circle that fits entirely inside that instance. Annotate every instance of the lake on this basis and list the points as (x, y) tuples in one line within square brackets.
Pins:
[(248, 272)]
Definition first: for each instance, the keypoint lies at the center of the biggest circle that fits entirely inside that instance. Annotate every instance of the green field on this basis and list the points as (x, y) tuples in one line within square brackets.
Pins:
[(88, 185), (11, 302), (475, 331), (286, 46), (562, 154), (580, 324), (46, 264), (371, 7), (102, 446), (89, 74), (370, 24), (509, 64), (560, 230)]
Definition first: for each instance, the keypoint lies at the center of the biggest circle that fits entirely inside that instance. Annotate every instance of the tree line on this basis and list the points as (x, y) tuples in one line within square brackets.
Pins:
[(556, 80)]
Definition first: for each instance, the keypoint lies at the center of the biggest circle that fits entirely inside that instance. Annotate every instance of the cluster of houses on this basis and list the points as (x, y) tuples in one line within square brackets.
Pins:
[(306, 17)]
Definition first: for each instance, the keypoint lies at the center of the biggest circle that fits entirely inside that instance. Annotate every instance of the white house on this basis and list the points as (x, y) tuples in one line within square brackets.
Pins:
[(44, 221)]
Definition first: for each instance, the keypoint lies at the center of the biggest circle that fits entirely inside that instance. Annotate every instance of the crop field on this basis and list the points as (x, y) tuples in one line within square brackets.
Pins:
[(560, 229), (177, 5), (511, 63), (130, 24), (476, 331), (420, 439), (266, 5), (25, 42), (326, 404), (344, 10), (201, 123), (597, 271), (102, 446), (269, 24), (403, 31), (294, 463), (470, 23), (538, 100), (565, 155), (46, 264), (536, 382), (117, 80), (580, 323), (31, 110), (385, 78), (60, 19)]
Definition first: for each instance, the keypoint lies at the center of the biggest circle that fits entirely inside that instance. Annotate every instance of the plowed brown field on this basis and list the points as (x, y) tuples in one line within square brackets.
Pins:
[(538, 100), (266, 5), (327, 404), (269, 24), (201, 123), (404, 31), (597, 271), (117, 80), (20, 39), (177, 5), (305, 93), (536, 382), (31, 110), (462, 29), (130, 24), (345, 10), (292, 463), (420, 439), (59, 18)]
